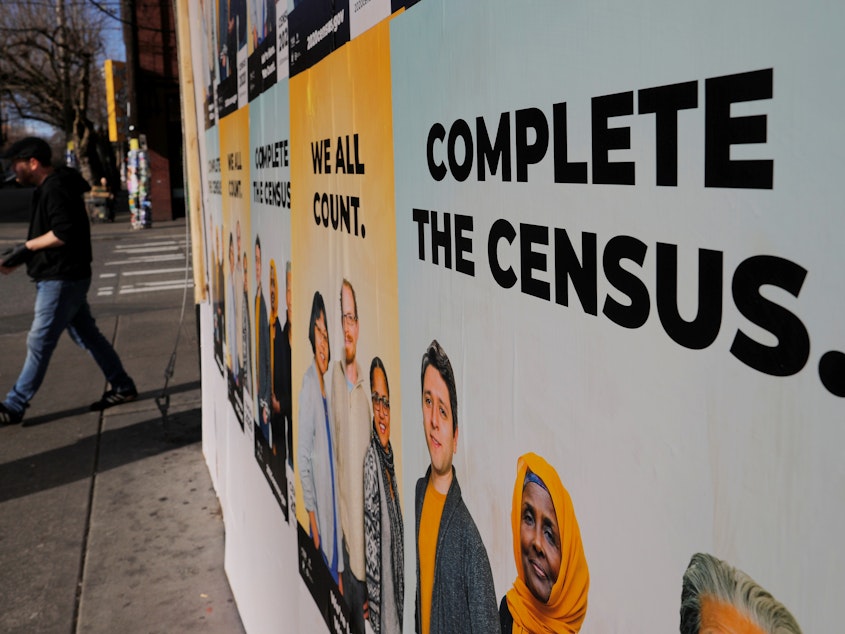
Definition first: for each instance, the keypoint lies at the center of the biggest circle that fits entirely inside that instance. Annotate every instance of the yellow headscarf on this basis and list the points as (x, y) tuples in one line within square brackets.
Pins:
[(567, 604)]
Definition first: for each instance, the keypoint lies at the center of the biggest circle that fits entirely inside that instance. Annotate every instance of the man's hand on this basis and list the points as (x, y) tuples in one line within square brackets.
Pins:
[(14, 257)]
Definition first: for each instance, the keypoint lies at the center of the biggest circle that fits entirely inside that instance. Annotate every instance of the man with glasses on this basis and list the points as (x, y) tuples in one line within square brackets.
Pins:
[(351, 420)]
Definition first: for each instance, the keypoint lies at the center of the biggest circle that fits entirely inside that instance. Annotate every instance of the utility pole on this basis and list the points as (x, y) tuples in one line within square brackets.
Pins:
[(129, 13)]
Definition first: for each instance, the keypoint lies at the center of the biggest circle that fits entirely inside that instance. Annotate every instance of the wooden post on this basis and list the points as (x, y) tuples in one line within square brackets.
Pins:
[(192, 159)]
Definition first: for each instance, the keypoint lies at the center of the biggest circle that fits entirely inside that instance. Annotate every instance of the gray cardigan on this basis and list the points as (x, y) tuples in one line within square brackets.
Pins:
[(463, 598)]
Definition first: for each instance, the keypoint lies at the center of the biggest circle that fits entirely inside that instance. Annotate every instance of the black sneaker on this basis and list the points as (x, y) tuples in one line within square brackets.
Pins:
[(8, 417), (111, 398)]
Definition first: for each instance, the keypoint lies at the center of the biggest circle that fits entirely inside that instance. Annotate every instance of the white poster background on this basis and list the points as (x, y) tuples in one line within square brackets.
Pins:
[(282, 44), (364, 14), (665, 451)]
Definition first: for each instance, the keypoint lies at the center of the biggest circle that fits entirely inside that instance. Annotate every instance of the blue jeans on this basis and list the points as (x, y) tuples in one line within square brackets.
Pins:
[(61, 305)]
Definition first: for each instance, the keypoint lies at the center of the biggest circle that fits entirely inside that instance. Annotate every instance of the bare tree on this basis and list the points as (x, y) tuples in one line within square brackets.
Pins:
[(50, 51)]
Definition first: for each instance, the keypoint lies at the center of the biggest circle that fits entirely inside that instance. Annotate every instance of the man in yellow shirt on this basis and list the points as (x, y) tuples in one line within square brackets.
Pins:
[(454, 581)]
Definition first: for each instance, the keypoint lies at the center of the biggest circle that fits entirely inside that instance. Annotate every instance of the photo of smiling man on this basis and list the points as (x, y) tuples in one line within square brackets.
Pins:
[(454, 580)]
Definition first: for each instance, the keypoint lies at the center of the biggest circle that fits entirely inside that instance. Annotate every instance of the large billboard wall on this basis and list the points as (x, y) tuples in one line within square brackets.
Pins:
[(591, 251)]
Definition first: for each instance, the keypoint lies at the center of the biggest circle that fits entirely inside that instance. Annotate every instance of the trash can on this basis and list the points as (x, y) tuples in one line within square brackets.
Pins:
[(98, 206)]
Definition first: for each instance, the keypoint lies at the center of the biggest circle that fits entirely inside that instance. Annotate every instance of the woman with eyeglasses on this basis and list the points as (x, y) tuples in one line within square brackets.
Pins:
[(315, 451), (382, 515)]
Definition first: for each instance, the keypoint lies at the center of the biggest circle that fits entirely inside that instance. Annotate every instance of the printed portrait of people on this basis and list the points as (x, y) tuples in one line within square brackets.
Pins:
[(209, 38), (315, 448), (352, 423), (552, 578), (217, 287), (235, 29), (226, 55), (233, 362), (280, 356), (263, 17), (454, 581), (262, 352), (246, 333), (383, 528), (717, 598)]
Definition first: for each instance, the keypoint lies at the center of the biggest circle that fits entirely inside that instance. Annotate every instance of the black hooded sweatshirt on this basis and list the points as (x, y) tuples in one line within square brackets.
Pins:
[(58, 206)]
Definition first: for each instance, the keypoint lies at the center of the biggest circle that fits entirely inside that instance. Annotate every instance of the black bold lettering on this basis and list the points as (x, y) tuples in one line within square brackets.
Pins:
[(565, 172), (359, 165), (634, 314), (790, 354), (665, 102), (438, 171), (701, 331), (460, 130), (441, 238), (530, 260), (490, 154), (606, 139), (339, 156), (530, 153), (721, 131), (584, 274), (505, 278), (343, 212), (420, 216), (316, 202), (463, 244)]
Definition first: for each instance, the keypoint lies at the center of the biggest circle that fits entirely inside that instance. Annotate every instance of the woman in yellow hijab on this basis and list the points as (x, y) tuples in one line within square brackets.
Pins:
[(552, 582)]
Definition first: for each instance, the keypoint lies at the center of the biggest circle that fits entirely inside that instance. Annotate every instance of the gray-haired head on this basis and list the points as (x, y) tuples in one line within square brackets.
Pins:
[(707, 576)]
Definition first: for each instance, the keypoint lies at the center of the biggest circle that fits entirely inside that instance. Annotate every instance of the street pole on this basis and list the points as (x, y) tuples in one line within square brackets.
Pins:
[(130, 39)]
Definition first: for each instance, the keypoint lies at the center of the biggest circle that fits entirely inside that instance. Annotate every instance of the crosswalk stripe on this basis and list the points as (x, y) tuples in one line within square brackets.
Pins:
[(143, 260), (132, 257), (141, 245), (163, 286), (150, 249)]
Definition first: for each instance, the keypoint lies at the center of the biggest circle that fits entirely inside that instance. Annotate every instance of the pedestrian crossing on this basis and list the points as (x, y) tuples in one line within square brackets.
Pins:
[(146, 267)]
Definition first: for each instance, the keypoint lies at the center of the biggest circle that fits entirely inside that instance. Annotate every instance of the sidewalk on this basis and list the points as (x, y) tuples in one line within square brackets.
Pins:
[(108, 522)]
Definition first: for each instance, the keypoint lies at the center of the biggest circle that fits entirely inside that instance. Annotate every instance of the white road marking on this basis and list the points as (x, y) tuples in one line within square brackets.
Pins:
[(156, 286), (142, 255), (146, 260), (154, 272), (150, 249), (140, 245)]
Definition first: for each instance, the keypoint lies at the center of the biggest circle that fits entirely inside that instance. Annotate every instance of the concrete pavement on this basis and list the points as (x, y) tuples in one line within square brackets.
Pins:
[(108, 521)]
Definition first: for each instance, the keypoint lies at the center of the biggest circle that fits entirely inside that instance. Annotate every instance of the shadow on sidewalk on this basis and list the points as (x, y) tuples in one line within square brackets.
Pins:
[(109, 450), (77, 411)]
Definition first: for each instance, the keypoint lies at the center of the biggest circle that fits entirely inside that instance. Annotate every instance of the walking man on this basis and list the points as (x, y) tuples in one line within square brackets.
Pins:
[(57, 253)]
